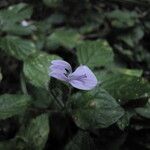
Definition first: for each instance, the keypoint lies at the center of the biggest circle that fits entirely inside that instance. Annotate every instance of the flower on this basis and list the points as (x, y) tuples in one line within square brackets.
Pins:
[(24, 23), (82, 78)]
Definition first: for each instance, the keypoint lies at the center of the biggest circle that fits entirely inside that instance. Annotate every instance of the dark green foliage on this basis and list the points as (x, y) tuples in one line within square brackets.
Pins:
[(41, 113), (81, 140), (17, 47), (96, 109), (127, 88), (35, 135), (13, 104)]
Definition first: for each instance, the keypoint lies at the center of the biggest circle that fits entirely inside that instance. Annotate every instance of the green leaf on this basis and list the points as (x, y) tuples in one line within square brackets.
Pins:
[(56, 18), (106, 73), (52, 3), (122, 19), (7, 145), (11, 105), (67, 38), (12, 17), (15, 13), (89, 28), (133, 37), (36, 69), (95, 109), (41, 97), (125, 88), (81, 141), (35, 135), (144, 111), (124, 121), (95, 53), (131, 72), (18, 29), (17, 47)]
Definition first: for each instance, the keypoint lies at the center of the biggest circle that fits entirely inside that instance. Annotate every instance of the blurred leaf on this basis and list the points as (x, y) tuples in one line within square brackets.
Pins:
[(56, 18), (122, 19), (52, 3), (41, 97), (35, 135), (67, 38), (95, 109), (13, 104), (133, 37), (16, 13), (36, 69), (131, 72), (7, 145), (126, 88), (81, 141), (19, 29), (103, 73), (10, 17), (95, 53), (46, 24), (89, 28), (17, 47), (144, 111)]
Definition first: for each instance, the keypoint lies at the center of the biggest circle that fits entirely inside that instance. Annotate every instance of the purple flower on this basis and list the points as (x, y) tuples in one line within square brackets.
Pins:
[(82, 78)]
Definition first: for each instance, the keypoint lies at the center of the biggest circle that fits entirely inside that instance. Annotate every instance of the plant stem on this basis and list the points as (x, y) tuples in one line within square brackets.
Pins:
[(23, 83), (69, 94), (60, 103), (68, 104)]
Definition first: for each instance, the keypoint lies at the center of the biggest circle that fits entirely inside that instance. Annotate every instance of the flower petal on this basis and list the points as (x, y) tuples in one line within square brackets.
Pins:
[(57, 68), (83, 78), (63, 64), (58, 75)]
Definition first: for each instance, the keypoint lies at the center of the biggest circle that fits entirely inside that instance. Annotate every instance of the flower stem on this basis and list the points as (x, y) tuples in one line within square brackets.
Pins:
[(59, 102), (68, 103), (70, 90)]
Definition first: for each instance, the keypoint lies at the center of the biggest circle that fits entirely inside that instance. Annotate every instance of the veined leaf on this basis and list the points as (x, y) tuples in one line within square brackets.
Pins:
[(95, 109), (15, 13), (36, 69), (63, 37), (11, 105), (125, 88), (17, 47), (11, 18), (35, 135), (95, 53)]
